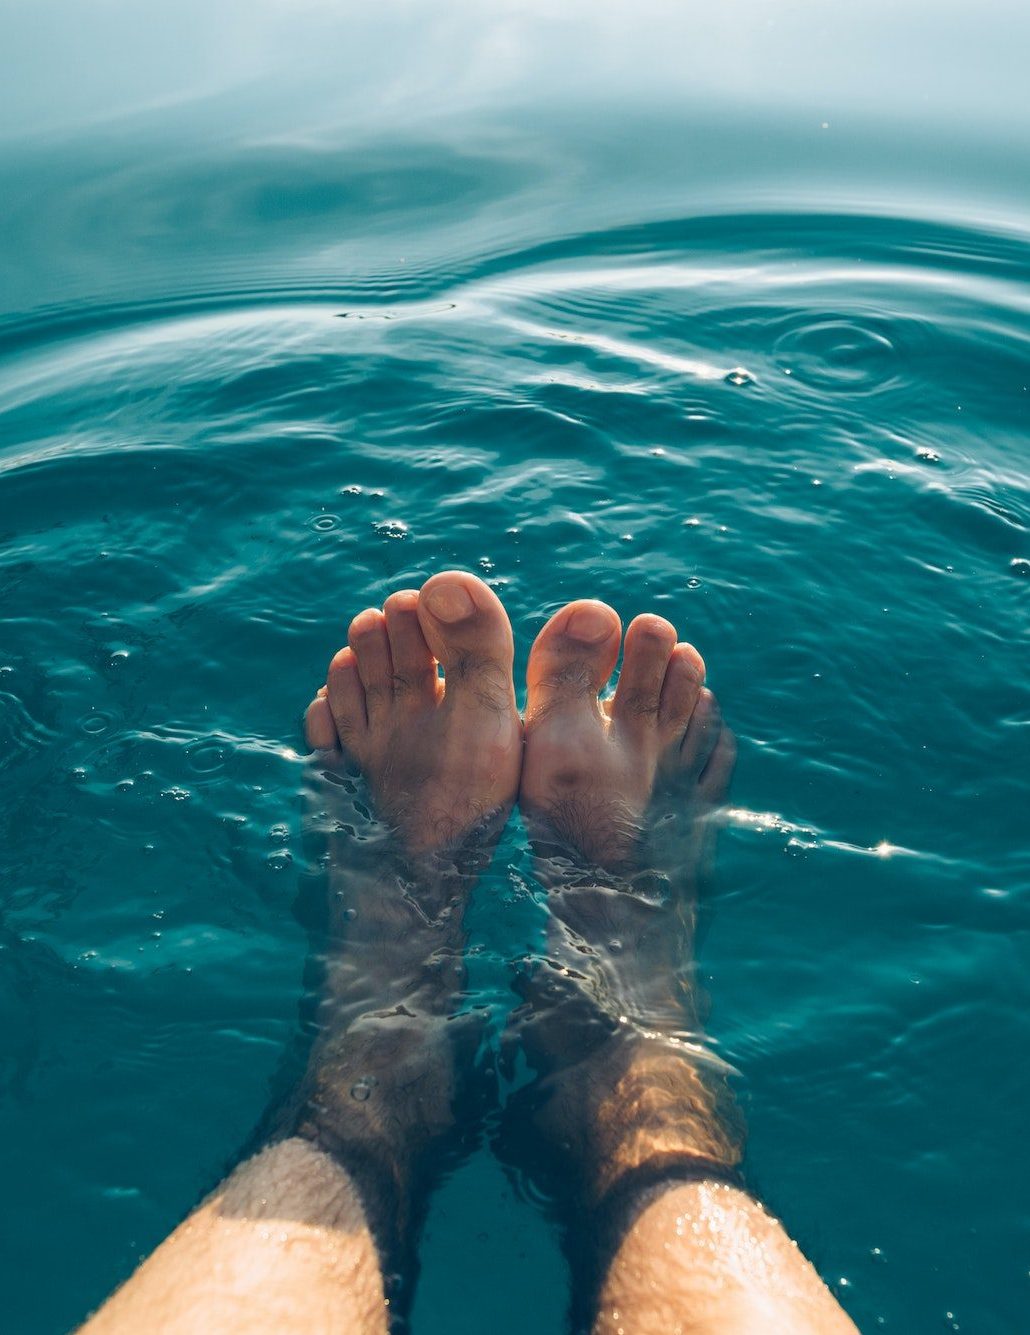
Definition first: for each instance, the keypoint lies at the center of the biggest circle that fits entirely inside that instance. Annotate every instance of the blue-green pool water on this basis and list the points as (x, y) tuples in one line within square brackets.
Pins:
[(725, 316)]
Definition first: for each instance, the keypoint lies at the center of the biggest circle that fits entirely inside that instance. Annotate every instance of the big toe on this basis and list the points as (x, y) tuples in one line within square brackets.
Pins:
[(573, 656), (468, 631)]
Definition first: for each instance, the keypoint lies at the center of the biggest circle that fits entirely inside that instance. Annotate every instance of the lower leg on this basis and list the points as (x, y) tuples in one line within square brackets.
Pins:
[(705, 1257), (282, 1245), (298, 1237)]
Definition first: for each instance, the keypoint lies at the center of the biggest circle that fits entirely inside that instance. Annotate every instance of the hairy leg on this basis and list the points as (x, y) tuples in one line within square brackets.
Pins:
[(620, 798), (282, 1245), (297, 1239)]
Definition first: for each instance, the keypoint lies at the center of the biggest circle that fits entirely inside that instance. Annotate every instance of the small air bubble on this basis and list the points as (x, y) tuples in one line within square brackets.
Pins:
[(1020, 565), (362, 1089), (739, 376)]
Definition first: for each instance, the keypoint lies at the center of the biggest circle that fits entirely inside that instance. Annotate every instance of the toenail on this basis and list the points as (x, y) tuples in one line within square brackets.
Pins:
[(589, 625), (450, 602)]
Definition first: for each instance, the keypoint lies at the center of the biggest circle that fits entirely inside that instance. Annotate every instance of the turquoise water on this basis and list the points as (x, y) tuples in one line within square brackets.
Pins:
[(726, 317)]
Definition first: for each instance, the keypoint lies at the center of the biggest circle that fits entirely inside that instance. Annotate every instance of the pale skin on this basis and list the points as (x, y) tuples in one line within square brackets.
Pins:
[(293, 1240)]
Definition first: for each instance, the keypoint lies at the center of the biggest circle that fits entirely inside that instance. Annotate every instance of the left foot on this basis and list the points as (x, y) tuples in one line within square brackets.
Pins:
[(440, 757)]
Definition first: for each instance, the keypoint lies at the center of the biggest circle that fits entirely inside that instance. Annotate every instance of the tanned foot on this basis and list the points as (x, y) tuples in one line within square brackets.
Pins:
[(604, 775), (440, 757), (441, 760), (618, 797)]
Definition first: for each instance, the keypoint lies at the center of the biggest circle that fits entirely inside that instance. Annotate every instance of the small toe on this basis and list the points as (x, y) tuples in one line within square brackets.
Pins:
[(370, 644), (346, 697), (650, 641), (319, 727), (715, 779), (414, 667), (702, 734), (684, 678), (573, 656), (467, 629)]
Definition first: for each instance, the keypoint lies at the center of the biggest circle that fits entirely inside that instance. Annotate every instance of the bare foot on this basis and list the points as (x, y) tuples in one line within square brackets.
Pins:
[(604, 776), (618, 797), (440, 757)]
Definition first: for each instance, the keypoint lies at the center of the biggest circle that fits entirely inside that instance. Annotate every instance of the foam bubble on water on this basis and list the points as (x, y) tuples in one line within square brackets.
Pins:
[(391, 528)]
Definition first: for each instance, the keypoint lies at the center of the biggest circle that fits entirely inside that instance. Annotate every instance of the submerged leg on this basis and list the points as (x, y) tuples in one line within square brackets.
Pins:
[(619, 798), (299, 1237)]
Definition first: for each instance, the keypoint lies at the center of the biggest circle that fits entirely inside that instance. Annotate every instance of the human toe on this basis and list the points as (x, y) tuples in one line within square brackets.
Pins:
[(573, 655), (414, 667), (319, 728), (467, 629), (369, 641), (650, 641), (346, 698), (684, 677), (702, 734), (715, 779)]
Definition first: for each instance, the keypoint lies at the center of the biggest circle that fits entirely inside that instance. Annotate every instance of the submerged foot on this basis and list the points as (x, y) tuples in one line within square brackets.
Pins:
[(602, 776), (441, 757)]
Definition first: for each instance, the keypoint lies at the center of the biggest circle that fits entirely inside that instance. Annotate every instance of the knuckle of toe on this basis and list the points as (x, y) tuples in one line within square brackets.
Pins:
[(639, 702)]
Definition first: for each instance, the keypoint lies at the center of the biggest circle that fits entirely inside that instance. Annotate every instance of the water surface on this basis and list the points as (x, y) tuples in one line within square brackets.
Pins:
[(725, 318)]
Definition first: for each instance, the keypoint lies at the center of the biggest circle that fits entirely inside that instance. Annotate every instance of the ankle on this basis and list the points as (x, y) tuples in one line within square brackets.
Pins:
[(634, 1109), (665, 1104)]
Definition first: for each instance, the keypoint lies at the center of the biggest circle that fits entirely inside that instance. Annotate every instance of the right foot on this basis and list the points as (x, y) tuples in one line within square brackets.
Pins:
[(618, 797), (600, 776)]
